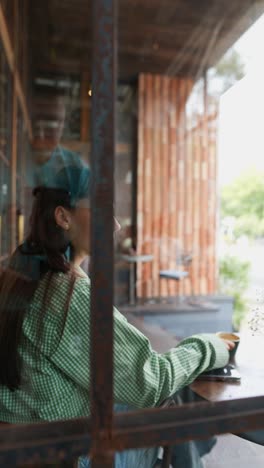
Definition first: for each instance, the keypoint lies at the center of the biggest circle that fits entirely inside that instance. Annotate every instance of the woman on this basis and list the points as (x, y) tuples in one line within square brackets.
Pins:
[(44, 335)]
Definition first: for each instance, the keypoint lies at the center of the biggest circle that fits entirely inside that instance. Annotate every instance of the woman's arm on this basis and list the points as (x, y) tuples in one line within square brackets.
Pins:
[(142, 377)]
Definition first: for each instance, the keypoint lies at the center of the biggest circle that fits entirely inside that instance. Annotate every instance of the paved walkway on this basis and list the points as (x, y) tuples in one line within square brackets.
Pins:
[(233, 452)]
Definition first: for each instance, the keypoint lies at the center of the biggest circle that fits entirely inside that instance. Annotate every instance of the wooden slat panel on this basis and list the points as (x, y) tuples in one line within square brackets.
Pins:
[(172, 200), (188, 219), (204, 207), (177, 94), (164, 182), (176, 187), (145, 195), (196, 212), (159, 181), (200, 208), (155, 188), (148, 186), (184, 284), (140, 181), (194, 278), (206, 155), (181, 172), (144, 134)]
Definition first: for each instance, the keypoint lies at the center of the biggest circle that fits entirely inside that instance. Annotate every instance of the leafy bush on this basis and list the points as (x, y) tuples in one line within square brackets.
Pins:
[(234, 281), (248, 225), (244, 196)]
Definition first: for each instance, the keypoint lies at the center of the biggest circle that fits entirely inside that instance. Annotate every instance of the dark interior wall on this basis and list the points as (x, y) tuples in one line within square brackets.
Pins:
[(125, 179)]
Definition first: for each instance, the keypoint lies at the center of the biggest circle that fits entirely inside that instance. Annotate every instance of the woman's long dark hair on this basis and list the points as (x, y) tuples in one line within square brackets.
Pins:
[(17, 286)]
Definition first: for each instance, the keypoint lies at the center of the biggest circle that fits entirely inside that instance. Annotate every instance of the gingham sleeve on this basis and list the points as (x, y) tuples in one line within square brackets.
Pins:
[(142, 377)]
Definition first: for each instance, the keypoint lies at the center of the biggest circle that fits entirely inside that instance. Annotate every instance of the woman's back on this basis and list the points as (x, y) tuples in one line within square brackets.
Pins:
[(50, 345)]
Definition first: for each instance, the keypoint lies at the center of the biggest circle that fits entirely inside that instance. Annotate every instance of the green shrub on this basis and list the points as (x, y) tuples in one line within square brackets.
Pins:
[(234, 281)]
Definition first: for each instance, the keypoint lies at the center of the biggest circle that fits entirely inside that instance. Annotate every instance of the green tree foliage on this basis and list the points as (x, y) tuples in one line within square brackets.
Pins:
[(230, 69), (245, 195), (234, 281), (244, 200), (226, 73)]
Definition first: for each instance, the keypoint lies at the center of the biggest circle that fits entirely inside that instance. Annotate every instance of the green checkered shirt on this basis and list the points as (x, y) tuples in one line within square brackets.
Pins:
[(56, 373)]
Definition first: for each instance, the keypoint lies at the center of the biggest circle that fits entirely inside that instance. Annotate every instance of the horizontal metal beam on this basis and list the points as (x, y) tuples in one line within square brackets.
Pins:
[(196, 421), (44, 442), (62, 440)]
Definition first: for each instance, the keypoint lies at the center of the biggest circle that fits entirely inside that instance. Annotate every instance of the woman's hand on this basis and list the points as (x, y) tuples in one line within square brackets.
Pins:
[(229, 344)]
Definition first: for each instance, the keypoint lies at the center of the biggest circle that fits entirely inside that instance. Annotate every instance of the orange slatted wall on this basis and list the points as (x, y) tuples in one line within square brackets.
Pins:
[(176, 200)]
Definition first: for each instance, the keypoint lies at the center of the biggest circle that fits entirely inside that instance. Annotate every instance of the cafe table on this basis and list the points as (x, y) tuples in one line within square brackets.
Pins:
[(249, 361)]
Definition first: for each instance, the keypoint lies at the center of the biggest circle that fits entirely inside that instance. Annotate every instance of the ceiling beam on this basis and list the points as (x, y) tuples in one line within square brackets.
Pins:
[(171, 38)]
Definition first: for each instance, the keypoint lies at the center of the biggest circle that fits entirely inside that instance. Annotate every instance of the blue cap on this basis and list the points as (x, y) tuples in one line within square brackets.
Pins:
[(65, 170)]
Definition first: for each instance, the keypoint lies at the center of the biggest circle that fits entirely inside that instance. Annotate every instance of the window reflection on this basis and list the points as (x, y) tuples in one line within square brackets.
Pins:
[(179, 66)]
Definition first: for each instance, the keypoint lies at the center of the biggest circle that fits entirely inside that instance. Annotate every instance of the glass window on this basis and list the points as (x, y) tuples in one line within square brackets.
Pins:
[(152, 175)]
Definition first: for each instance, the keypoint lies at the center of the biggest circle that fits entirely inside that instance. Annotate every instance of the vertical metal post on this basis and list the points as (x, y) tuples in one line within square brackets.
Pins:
[(13, 166), (13, 169), (102, 166)]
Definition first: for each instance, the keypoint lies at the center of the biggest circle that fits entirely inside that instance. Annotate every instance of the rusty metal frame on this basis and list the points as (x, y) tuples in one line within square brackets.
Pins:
[(102, 246), (103, 433), (66, 440)]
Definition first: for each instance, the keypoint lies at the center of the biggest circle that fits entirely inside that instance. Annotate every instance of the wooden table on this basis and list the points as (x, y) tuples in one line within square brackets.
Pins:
[(250, 363)]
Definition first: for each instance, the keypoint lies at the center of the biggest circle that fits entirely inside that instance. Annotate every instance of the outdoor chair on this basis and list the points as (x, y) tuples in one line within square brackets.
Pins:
[(181, 259)]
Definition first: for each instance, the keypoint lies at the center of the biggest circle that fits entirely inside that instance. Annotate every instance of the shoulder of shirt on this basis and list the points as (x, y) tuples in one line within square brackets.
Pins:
[(83, 287), (81, 291), (61, 283)]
